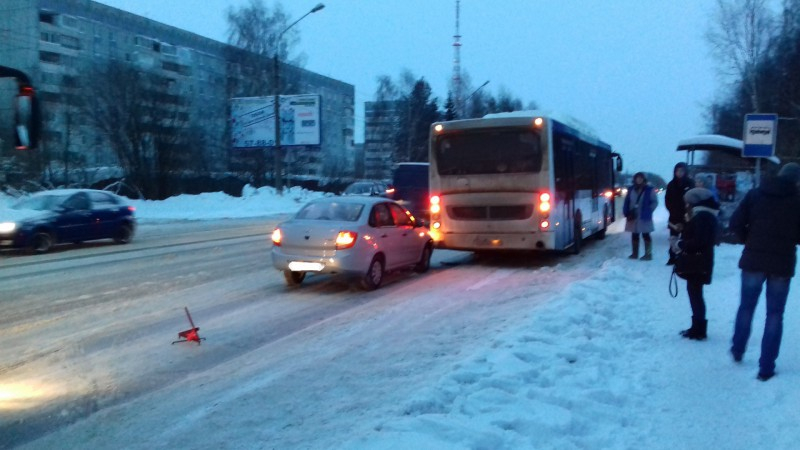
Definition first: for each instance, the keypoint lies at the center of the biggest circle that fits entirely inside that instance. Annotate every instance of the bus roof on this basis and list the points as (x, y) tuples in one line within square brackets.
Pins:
[(562, 121)]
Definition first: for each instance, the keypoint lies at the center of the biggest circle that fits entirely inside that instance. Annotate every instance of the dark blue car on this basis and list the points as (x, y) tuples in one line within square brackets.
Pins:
[(44, 219)]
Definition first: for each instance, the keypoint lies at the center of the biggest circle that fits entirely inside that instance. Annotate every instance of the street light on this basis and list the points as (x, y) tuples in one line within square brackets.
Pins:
[(464, 105), (276, 83)]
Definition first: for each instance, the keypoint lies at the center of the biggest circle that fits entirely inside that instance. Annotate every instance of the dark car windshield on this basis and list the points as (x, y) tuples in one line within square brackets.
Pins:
[(40, 202), (340, 211), (359, 188), (489, 152)]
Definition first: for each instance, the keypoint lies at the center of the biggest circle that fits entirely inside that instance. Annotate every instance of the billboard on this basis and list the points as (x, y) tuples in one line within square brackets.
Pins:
[(253, 121)]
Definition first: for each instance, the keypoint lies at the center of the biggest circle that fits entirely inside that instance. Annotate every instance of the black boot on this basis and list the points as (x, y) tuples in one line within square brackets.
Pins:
[(648, 251), (635, 253), (697, 331)]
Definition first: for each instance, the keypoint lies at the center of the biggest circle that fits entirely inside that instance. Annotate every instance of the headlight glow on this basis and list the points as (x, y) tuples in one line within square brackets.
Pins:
[(7, 227)]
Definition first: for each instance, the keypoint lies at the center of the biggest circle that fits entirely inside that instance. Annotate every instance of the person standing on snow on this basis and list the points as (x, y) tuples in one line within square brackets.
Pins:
[(638, 208), (768, 222), (673, 199), (699, 237)]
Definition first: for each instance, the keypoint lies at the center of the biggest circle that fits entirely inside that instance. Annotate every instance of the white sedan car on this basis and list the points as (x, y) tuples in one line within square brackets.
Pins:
[(356, 236)]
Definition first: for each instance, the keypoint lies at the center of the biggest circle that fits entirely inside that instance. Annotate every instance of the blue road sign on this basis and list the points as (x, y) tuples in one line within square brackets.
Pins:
[(760, 133)]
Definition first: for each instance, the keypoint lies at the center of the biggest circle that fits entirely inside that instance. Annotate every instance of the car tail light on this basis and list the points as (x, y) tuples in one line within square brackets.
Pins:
[(277, 237), (131, 209), (608, 194), (345, 239)]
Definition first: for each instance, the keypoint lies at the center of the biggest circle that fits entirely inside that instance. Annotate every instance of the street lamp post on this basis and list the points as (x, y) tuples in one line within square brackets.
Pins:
[(464, 105), (276, 83)]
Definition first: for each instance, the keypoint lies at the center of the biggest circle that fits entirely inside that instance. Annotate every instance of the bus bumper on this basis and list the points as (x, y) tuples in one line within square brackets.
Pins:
[(499, 241)]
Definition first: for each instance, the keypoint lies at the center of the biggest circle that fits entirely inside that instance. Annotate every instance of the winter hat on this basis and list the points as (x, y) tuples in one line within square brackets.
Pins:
[(790, 171), (696, 195)]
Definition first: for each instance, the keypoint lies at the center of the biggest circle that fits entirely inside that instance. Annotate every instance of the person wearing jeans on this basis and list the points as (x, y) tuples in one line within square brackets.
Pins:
[(777, 293), (768, 222)]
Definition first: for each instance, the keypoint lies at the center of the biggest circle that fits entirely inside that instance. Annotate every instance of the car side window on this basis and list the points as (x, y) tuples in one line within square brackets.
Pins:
[(101, 200), (79, 201), (380, 216), (400, 216)]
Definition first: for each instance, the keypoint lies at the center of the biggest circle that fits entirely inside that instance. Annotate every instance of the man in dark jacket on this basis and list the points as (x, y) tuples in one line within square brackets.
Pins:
[(768, 222), (673, 199)]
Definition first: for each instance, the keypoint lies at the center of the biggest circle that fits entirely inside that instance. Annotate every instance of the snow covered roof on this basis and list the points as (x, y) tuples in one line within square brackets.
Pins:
[(715, 142)]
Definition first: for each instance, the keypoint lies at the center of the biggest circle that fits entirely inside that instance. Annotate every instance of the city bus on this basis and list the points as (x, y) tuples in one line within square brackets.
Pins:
[(524, 180)]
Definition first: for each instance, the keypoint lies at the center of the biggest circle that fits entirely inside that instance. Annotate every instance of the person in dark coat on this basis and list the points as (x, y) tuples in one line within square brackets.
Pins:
[(699, 236), (638, 208), (673, 199), (768, 222)]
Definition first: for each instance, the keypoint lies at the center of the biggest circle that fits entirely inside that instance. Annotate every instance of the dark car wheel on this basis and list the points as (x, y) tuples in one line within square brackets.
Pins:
[(425, 261), (294, 278), (374, 276), (124, 234), (42, 242)]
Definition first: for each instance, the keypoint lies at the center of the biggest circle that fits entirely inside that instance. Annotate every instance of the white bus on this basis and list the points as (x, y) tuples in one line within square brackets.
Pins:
[(519, 181)]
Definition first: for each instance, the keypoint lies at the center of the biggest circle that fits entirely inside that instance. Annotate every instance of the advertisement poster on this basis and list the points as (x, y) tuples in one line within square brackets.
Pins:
[(253, 121)]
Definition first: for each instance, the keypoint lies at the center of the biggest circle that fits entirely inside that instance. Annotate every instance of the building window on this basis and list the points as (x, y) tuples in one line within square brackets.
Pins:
[(50, 57), (69, 22), (71, 42), (169, 49), (47, 17)]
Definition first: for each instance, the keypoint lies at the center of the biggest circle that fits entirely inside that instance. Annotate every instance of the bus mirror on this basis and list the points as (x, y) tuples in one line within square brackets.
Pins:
[(619, 165), (26, 119)]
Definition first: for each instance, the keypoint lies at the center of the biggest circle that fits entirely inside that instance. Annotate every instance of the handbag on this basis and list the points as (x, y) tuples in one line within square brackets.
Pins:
[(690, 264)]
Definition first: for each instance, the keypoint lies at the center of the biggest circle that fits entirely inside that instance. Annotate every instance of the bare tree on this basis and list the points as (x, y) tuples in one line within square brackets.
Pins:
[(741, 37), (146, 121)]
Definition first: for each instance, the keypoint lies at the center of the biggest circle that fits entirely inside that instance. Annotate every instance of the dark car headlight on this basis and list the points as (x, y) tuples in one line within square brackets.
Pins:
[(8, 227)]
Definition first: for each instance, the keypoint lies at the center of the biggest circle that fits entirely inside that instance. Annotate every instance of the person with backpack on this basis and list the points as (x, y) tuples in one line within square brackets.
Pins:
[(638, 208), (696, 249), (673, 200), (768, 222)]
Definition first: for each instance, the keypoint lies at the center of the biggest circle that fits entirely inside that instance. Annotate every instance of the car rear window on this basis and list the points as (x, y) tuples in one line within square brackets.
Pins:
[(338, 211)]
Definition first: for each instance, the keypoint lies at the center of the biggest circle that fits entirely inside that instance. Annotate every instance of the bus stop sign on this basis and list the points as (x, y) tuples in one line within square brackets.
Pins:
[(760, 133)]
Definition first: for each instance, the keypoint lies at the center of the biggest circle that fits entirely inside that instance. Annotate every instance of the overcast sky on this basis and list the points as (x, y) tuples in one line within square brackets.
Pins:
[(638, 72)]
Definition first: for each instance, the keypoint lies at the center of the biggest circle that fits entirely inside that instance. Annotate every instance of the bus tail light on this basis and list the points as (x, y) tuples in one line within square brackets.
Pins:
[(436, 206), (544, 203), (276, 237), (545, 224)]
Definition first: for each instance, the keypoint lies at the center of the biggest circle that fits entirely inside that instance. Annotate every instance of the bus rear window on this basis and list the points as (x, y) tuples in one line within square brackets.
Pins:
[(489, 152)]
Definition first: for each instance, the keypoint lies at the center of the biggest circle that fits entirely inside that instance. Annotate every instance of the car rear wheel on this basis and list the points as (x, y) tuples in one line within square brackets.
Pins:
[(425, 261), (374, 276), (294, 278), (42, 242), (124, 234)]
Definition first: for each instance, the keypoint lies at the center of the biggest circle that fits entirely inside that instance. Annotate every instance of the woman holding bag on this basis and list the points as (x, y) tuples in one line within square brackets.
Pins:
[(695, 255)]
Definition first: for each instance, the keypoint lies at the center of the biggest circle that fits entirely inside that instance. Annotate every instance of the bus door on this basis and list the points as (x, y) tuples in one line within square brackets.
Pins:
[(564, 150)]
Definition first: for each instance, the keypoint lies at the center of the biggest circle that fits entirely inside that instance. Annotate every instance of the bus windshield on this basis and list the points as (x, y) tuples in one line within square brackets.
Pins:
[(489, 152)]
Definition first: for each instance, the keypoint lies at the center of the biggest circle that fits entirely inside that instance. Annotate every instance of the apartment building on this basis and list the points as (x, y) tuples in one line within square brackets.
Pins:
[(58, 42)]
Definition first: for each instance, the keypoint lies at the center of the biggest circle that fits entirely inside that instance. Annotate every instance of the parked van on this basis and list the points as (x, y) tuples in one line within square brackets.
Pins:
[(410, 182)]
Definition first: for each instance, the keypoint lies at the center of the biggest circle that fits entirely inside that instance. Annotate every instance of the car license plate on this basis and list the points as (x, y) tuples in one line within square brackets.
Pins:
[(300, 266), (8, 242)]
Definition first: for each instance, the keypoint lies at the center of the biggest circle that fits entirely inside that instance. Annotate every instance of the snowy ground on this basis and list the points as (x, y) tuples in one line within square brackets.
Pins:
[(589, 357)]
